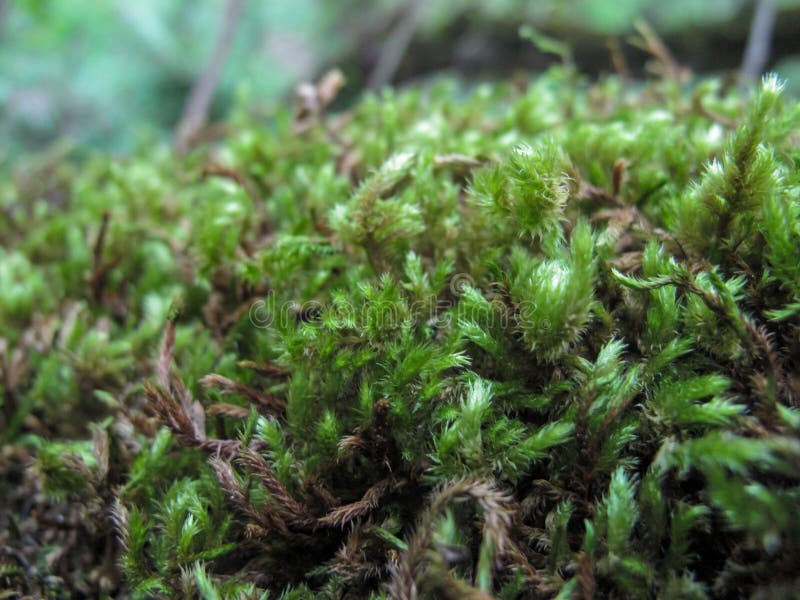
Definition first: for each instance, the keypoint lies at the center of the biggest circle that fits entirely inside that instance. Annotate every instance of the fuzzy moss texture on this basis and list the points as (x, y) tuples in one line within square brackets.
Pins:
[(521, 342)]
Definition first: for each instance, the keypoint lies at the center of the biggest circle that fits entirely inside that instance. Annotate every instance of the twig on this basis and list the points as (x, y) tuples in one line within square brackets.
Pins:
[(396, 46), (312, 100), (195, 112), (342, 515), (497, 517), (286, 507), (618, 60), (756, 53), (227, 386), (217, 170), (584, 573), (238, 495), (351, 561), (666, 65), (172, 403), (165, 356), (224, 409), (266, 369), (703, 110), (100, 270)]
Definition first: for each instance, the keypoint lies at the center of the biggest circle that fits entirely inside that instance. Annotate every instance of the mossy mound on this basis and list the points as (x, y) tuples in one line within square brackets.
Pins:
[(528, 342)]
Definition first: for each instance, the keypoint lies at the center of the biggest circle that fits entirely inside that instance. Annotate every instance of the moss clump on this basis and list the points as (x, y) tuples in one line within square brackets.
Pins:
[(519, 343)]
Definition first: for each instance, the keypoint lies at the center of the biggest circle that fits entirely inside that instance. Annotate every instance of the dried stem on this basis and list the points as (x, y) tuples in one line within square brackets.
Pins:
[(497, 516), (195, 112)]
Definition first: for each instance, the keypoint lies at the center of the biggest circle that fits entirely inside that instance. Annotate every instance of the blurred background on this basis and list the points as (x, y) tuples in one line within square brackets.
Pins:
[(111, 74)]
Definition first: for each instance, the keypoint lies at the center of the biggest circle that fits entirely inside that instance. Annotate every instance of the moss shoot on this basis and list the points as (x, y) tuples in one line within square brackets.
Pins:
[(532, 341)]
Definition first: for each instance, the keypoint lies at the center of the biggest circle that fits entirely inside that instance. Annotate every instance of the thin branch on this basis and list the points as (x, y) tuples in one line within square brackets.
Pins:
[(100, 270), (289, 509), (395, 48), (266, 369), (238, 494), (165, 356), (217, 170), (759, 41), (342, 515), (497, 517), (618, 60), (665, 66), (195, 112), (227, 386)]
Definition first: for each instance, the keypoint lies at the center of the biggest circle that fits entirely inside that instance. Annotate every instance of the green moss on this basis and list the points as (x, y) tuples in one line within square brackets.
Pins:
[(530, 343)]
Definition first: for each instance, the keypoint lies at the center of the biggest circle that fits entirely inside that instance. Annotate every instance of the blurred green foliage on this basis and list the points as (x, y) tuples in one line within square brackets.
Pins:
[(99, 72), (108, 74)]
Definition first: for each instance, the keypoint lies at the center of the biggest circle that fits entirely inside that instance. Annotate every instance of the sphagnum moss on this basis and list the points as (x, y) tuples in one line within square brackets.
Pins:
[(518, 344)]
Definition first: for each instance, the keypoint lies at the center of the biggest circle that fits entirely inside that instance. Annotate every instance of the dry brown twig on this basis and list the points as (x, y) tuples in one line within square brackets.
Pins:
[(232, 411), (584, 573), (313, 99), (265, 369), (195, 112), (618, 60), (497, 517), (172, 403), (263, 521), (354, 560), (217, 170), (261, 399), (289, 509), (665, 66), (342, 515), (97, 277)]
